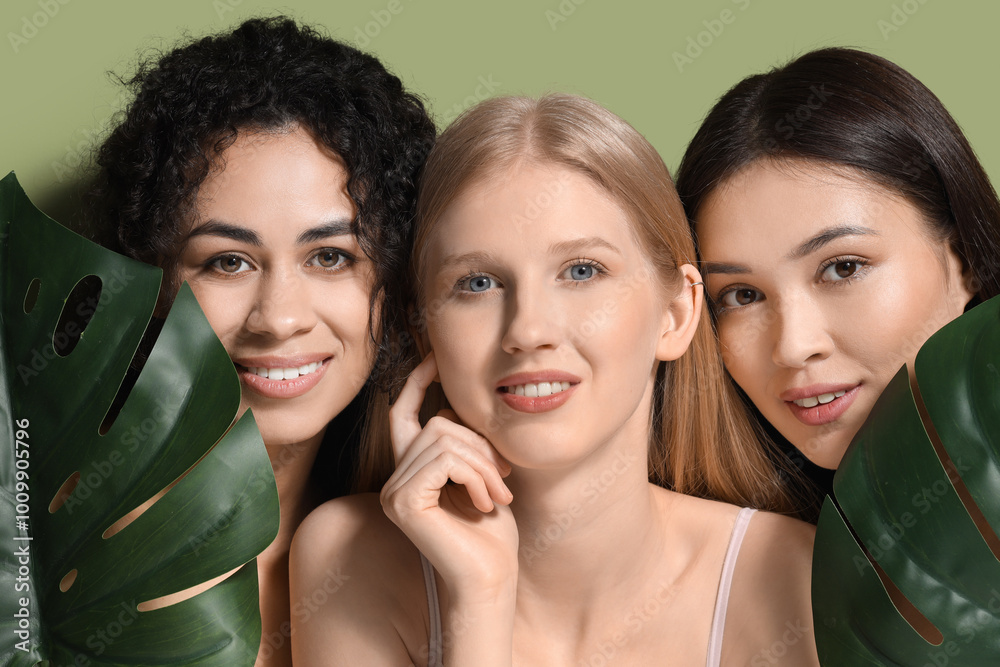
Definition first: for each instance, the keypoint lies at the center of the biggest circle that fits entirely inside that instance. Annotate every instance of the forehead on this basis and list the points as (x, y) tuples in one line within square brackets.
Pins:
[(275, 177), (771, 204), (526, 209)]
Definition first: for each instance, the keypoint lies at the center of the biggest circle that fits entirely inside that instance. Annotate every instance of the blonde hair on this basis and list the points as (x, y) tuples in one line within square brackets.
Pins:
[(702, 441)]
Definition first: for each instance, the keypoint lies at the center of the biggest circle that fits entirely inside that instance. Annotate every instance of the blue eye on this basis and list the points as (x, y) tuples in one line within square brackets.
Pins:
[(478, 283), (582, 271)]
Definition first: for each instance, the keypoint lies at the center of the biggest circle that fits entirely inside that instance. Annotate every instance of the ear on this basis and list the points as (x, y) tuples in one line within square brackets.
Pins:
[(420, 337), (964, 282), (681, 315)]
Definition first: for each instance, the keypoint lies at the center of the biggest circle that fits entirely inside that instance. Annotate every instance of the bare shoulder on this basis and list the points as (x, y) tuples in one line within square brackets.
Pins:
[(350, 539), (774, 542), (356, 585), (345, 524), (769, 617)]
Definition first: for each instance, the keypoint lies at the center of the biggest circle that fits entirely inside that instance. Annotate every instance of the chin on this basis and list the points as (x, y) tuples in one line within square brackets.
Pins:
[(826, 455)]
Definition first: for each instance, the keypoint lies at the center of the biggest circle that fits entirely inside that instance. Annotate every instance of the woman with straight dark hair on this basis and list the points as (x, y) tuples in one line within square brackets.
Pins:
[(841, 218)]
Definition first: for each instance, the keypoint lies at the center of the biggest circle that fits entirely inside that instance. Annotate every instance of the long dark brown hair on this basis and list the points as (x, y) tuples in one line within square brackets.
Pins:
[(847, 108)]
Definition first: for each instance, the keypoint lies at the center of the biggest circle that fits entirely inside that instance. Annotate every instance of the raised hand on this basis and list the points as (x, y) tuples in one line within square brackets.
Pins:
[(465, 528)]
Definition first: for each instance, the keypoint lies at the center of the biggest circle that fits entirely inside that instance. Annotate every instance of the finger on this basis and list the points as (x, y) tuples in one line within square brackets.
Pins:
[(492, 478), (449, 466), (404, 417), (501, 463)]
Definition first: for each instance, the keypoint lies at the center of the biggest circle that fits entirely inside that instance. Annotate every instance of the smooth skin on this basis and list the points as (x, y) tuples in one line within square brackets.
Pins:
[(821, 281), (283, 283), (550, 545)]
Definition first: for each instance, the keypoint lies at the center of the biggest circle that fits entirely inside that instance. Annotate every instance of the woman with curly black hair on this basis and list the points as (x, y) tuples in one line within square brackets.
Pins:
[(274, 170)]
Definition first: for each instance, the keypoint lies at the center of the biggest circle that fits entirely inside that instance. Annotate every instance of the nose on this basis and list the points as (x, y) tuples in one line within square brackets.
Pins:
[(531, 322), (801, 333), (283, 308)]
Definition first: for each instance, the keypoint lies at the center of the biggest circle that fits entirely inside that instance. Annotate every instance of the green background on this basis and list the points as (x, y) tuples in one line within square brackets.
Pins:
[(58, 97)]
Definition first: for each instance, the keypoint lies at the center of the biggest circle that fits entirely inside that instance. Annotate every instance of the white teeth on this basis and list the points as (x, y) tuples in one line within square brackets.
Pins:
[(538, 390), (822, 399), (285, 373)]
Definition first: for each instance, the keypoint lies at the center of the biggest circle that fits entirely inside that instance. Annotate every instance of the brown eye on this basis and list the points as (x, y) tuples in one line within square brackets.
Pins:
[(230, 264), (328, 259), (845, 269), (744, 296), (841, 270)]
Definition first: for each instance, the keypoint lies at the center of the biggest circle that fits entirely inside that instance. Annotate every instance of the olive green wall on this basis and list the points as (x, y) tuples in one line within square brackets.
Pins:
[(660, 64)]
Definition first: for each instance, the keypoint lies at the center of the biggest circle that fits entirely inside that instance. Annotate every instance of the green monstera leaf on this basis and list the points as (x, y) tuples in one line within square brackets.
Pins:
[(896, 497), (71, 588)]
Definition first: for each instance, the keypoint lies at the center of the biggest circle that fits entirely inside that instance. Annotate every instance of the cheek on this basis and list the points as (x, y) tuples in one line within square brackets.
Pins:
[(903, 312), (744, 348), (465, 343), (346, 310), (225, 310)]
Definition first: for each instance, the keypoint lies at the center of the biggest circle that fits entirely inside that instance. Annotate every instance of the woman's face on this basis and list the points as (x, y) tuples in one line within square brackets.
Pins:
[(824, 285), (544, 316), (282, 280)]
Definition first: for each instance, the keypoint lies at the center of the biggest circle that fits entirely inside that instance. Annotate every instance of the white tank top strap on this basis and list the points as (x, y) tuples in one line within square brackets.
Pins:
[(435, 643), (725, 583)]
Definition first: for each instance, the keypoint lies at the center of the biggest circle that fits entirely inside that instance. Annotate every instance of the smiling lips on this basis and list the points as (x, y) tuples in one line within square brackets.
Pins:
[(815, 406), (276, 378), (537, 392)]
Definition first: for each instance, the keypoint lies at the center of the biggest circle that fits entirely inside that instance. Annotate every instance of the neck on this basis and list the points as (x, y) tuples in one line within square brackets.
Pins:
[(292, 465), (586, 530)]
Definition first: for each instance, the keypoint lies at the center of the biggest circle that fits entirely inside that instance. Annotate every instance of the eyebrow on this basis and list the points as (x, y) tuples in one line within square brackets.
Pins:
[(562, 248), (828, 235), (475, 257), (250, 237), (227, 231), (812, 245), (577, 245), (340, 227)]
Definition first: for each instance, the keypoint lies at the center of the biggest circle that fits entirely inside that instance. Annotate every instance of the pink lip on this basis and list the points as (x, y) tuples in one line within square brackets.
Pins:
[(272, 361), (534, 377), (538, 403), (824, 413), (281, 388)]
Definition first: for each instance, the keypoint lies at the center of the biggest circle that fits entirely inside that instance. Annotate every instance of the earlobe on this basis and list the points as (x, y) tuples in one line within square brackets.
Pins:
[(681, 315)]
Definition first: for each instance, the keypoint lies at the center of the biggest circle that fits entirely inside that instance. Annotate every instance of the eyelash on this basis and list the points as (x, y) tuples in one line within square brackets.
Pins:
[(348, 261), (862, 269), (599, 269), (860, 261), (463, 282)]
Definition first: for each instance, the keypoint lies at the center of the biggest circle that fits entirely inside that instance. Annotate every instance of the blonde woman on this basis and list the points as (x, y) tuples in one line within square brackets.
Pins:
[(560, 316)]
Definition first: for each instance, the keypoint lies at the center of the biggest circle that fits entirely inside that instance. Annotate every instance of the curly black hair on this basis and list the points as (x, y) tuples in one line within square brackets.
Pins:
[(267, 74)]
